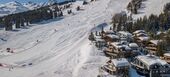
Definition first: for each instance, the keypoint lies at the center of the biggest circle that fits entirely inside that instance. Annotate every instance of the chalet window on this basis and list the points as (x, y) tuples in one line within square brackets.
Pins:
[(140, 63), (145, 66), (166, 66)]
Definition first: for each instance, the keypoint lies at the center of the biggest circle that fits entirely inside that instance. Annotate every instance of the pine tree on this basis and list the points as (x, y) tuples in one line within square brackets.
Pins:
[(8, 23), (91, 37), (160, 48)]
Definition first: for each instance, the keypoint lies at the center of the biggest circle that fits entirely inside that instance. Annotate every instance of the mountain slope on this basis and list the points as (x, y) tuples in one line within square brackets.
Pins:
[(12, 7), (31, 5), (62, 49)]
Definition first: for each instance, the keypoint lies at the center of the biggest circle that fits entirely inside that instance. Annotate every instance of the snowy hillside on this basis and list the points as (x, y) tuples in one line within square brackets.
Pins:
[(60, 47), (16, 7)]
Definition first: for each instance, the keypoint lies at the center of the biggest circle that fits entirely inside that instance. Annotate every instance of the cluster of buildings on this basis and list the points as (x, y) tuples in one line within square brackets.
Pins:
[(127, 50)]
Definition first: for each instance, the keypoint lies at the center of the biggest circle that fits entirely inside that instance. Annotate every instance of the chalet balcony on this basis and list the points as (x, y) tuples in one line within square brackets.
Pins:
[(152, 48)]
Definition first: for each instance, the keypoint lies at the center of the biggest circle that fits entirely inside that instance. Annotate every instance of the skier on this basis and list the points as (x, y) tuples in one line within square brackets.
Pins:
[(8, 49), (55, 30), (37, 41), (12, 51)]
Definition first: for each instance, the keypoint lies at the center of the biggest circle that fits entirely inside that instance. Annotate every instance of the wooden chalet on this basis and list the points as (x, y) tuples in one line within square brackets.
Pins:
[(152, 46), (151, 66), (110, 36), (133, 46), (121, 48), (140, 37), (109, 52), (119, 67), (166, 57)]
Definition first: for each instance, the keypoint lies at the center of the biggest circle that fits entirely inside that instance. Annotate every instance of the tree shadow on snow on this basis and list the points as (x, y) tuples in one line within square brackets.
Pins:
[(99, 27), (50, 20), (15, 30)]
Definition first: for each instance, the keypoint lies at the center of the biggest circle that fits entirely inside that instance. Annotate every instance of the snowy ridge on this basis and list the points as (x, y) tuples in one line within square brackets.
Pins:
[(31, 5), (12, 7)]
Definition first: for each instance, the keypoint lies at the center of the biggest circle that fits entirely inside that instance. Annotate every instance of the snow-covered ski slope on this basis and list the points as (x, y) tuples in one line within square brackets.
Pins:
[(58, 48)]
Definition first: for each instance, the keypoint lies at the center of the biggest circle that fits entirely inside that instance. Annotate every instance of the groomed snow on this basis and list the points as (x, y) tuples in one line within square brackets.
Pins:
[(60, 47)]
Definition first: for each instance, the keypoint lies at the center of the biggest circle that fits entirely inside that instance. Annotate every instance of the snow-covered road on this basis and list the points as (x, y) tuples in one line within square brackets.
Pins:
[(58, 48)]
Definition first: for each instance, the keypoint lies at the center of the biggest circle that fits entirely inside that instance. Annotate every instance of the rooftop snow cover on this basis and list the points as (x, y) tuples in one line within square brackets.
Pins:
[(167, 54), (141, 34), (121, 45), (110, 32), (113, 36), (125, 33), (139, 31), (121, 62), (143, 38), (155, 41), (151, 59), (133, 45)]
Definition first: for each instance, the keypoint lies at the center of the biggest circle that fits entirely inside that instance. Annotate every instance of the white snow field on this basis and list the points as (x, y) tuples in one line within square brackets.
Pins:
[(59, 47)]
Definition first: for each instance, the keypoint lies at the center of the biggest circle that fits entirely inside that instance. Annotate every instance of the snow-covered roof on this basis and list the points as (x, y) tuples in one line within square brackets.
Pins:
[(110, 32), (121, 45), (125, 33), (143, 38), (151, 60), (155, 41), (113, 36), (97, 37), (139, 31), (120, 62), (127, 48), (141, 34), (133, 45), (167, 54)]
